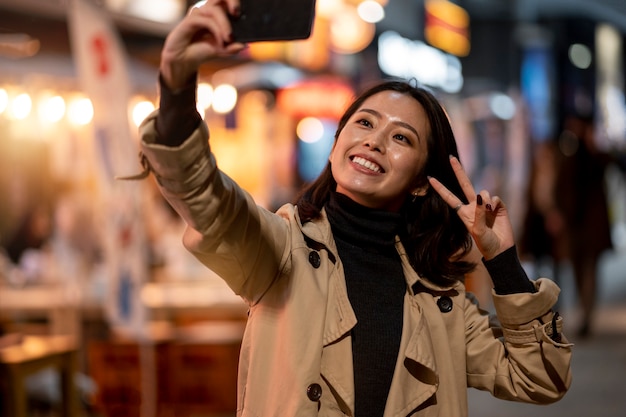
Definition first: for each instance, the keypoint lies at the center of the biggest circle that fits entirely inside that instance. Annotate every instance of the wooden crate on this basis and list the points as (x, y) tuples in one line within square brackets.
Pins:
[(203, 377), (116, 368), (196, 374)]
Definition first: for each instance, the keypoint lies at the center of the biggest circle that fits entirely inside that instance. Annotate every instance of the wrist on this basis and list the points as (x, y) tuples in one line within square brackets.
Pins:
[(176, 77), (507, 273)]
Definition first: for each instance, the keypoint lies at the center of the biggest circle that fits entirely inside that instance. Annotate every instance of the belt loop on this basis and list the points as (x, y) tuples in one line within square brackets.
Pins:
[(556, 336)]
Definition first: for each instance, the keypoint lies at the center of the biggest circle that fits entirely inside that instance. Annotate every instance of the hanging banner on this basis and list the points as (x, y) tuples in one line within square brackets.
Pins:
[(102, 71)]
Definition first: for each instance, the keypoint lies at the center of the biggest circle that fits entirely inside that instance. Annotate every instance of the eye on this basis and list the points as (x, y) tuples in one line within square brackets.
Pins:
[(402, 138), (364, 122)]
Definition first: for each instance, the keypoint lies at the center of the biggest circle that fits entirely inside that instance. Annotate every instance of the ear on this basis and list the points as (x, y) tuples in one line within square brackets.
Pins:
[(332, 150), (420, 191)]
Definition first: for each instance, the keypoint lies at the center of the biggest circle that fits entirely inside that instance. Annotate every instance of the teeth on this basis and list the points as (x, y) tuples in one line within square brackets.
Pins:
[(367, 164)]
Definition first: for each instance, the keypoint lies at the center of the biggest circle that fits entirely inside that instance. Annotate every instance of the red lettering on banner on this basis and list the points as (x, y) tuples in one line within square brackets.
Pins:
[(101, 48)]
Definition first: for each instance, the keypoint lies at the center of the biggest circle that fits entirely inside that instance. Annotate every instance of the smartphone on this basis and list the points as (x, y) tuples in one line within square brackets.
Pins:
[(273, 20)]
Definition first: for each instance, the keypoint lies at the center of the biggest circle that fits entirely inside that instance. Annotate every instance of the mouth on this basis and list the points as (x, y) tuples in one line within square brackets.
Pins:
[(367, 164)]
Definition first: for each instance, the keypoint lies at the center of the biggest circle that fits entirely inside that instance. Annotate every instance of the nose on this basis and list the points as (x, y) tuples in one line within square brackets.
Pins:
[(375, 142)]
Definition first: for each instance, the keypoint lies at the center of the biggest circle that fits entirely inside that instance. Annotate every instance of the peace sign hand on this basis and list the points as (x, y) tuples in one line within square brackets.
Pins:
[(485, 217)]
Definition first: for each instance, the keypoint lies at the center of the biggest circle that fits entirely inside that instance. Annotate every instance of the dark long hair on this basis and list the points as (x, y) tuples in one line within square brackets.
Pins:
[(435, 238)]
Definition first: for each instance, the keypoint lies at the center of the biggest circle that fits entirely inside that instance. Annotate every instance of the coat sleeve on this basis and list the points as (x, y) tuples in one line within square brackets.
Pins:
[(226, 230), (518, 356)]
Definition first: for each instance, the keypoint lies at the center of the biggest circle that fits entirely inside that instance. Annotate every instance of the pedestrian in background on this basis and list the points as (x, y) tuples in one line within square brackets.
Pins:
[(541, 243), (581, 200)]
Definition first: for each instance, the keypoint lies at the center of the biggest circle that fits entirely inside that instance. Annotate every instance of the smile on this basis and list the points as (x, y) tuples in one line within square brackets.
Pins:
[(367, 164)]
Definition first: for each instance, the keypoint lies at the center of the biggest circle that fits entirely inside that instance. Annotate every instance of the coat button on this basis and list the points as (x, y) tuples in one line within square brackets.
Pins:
[(314, 259), (445, 304), (314, 392)]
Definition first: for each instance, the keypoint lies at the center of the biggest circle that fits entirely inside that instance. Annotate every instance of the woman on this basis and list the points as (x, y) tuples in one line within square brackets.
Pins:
[(356, 295)]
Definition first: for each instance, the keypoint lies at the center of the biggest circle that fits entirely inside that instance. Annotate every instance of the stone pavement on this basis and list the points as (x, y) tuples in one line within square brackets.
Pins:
[(599, 362)]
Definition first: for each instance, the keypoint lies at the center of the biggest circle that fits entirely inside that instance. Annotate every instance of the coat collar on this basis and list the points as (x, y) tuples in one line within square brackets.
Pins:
[(320, 232)]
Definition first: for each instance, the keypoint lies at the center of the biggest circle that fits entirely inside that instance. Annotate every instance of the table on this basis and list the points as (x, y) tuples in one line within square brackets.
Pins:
[(33, 354)]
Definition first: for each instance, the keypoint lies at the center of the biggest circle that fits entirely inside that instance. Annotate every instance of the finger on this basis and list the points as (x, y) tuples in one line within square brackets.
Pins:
[(490, 211), (210, 3), (204, 38), (447, 195), (497, 203), (487, 200), (479, 214), (461, 176), (233, 48), (215, 17), (234, 7)]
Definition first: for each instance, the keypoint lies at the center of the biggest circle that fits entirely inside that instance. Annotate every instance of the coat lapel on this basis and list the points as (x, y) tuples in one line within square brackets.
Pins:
[(415, 379)]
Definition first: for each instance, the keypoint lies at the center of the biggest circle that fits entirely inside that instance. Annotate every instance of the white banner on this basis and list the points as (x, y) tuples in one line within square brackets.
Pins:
[(102, 70)]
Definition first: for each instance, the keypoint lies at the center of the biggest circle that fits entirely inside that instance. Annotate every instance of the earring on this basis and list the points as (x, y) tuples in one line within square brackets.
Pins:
[(414, 194)]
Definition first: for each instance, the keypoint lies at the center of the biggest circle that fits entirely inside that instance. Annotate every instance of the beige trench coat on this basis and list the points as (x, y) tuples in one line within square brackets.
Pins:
[(296, 357)]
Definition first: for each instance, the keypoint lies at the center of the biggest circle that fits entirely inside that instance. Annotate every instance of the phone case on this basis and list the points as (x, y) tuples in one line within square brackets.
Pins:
[(273, 20)]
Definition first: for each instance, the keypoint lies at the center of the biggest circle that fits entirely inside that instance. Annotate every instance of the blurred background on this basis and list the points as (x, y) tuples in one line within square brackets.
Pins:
[(102, 311)]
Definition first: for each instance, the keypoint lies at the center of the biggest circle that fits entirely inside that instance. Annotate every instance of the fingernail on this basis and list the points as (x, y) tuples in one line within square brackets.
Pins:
[(488, 207), (479, 200)]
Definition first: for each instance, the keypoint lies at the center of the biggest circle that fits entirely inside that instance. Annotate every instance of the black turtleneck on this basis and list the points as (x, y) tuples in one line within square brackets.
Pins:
[(365, 240)]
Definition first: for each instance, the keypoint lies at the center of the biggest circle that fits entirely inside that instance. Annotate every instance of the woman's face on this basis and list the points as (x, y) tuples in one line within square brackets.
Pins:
[(380, 151)]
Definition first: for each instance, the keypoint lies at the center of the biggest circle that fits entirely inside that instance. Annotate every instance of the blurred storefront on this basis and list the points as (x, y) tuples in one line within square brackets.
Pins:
[(506, 71)]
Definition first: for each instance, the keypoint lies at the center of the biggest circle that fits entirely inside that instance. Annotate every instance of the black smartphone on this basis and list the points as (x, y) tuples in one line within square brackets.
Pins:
[(273, 20)]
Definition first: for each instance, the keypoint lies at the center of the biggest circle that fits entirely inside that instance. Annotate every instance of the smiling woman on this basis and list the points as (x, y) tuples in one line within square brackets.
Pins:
[(379, 153), (356, 290)]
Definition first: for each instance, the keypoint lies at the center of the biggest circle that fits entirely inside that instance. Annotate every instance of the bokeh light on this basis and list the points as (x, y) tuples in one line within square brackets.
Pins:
[(224, 98), (310, 129)]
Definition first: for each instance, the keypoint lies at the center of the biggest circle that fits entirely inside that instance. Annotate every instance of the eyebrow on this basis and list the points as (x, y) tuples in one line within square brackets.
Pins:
[(400, 123)]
